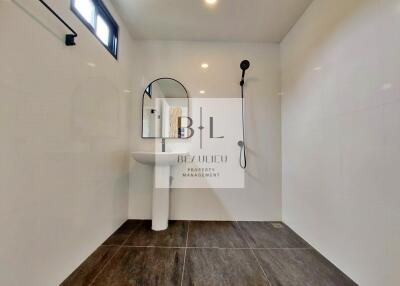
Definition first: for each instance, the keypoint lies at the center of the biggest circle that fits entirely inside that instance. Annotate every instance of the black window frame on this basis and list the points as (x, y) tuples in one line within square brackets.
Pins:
[(102, 11)]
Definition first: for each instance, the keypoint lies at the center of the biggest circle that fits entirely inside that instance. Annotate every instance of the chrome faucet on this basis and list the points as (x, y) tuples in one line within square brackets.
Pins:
[(163, 145)]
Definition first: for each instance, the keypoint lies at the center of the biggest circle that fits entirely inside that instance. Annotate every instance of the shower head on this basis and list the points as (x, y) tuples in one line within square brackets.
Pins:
[(244, 65)]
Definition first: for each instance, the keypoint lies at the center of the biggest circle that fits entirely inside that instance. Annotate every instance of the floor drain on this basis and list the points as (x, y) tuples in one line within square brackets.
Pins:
[(277, 225)]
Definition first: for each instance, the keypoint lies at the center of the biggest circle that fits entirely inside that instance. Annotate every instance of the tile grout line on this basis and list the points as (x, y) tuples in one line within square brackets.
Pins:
[(184, 258), (211, 247), (255, 256), (116, 252), (259, 264)]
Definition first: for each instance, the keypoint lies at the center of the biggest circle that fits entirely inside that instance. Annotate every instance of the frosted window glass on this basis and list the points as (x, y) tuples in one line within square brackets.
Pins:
[(87, 10), (102, 30)]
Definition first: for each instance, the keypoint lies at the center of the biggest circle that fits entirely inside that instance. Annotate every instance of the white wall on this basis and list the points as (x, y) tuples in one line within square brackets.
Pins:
[(341, 135), (63, 143), (261, 199)]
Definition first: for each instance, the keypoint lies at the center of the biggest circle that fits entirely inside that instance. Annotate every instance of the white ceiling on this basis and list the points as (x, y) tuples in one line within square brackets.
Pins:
[(228, 20)]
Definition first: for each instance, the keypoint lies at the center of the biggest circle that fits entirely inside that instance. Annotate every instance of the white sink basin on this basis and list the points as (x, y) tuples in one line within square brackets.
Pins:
[(157, 158), (161, 162)]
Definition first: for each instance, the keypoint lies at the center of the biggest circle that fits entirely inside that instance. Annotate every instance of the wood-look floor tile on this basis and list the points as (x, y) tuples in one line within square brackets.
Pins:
[(299, 267), (143, 267), (88, 270), (265, 235), (174, 236), (121, 234), (215, 234), (222, 267)]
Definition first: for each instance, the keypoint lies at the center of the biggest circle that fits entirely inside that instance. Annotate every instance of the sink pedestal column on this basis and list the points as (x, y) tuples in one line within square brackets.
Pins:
[(161, 188), (161, 162)]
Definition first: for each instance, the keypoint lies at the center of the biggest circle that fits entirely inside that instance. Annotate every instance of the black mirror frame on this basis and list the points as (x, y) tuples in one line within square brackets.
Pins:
[(145, 94)]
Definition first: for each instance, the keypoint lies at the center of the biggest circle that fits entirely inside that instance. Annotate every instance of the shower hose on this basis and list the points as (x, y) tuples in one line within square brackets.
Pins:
[(242, 144)]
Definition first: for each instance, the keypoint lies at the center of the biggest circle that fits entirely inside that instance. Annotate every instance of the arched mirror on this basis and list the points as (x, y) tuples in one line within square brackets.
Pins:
[(165, 102)]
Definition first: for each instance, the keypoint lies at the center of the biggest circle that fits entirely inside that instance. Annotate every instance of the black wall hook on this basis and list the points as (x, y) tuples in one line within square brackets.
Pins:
[(69, 38)]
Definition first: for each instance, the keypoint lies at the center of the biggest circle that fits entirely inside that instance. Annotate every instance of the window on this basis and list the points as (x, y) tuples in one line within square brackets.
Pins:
[(95, 16)]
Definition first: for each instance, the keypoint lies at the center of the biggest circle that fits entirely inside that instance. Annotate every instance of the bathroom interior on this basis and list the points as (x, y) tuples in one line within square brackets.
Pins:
[(92, 145)]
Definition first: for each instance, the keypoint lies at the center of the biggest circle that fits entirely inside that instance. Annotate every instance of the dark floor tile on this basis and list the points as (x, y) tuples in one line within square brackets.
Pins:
[(88, 270), (299, 267), (121, 234), (215, 234), (174, 236), (271, 235), (143, 267), (222, 267)]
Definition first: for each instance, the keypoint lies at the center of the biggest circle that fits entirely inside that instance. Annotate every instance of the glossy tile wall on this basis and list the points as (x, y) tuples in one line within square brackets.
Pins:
[(63, 143), (340, 135), (261, 197)]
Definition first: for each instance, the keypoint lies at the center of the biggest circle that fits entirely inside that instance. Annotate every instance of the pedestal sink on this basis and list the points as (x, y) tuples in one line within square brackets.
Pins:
[(161, 162)]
